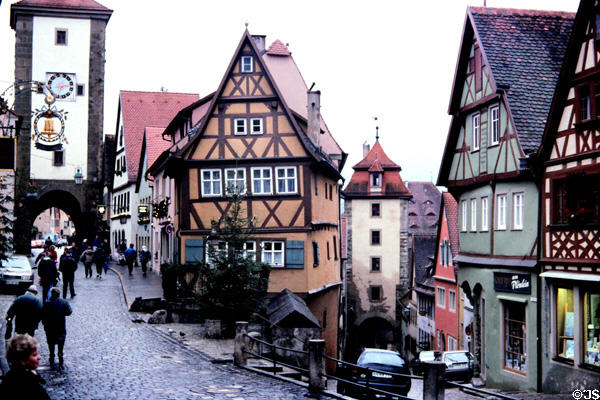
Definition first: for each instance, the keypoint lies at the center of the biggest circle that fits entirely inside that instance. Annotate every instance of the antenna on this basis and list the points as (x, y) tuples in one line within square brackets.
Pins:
[(311, 87)]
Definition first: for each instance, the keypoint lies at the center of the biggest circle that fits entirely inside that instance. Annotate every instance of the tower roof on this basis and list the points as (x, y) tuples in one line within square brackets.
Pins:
[(89, 8), (376, 154)]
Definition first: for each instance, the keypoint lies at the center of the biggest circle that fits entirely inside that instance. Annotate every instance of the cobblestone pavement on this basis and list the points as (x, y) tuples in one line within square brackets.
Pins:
[(110, 357)]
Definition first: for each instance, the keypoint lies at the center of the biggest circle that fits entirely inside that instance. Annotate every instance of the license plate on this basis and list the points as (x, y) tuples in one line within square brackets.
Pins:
[(380, 375), (11, 283), (459, 365)]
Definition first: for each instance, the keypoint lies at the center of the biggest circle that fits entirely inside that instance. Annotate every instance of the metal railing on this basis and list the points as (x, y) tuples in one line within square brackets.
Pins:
[(274, 359)]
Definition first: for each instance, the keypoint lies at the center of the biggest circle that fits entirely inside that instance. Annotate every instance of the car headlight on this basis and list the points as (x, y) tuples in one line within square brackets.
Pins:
[(25, 277)]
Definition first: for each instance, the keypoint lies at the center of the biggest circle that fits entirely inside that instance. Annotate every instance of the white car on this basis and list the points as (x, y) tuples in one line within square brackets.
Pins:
[(15, 273)]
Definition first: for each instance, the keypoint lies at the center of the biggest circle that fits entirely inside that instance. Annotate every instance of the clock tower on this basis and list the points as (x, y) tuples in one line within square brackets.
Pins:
[(59, 149)]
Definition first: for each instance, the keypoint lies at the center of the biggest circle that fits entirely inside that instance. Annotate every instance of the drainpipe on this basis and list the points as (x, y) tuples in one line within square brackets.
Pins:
[(538, 332)]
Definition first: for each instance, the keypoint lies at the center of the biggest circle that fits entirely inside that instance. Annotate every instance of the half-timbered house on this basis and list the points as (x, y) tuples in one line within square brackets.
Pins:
[(507, 69), (261, 133), (570, 237)]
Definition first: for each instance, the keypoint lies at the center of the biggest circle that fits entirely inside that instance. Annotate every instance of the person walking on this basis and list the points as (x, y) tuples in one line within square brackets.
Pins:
[(22, 380), (48, 276), (68, 266), (88, 259), (99, 260), (27, 310), (130, 258), (144, 258), (106, 247), (53, 253), (53, 318), (74, 251)]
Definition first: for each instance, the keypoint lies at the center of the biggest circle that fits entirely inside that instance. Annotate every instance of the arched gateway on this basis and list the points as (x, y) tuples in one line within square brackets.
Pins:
[(59, 147)]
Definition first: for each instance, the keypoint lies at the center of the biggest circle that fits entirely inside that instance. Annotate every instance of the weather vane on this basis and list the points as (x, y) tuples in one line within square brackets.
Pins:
[(246, 23), (376, 131)]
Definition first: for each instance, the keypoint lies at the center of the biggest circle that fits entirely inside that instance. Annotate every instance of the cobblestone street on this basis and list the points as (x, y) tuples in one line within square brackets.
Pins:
[(109, 357)]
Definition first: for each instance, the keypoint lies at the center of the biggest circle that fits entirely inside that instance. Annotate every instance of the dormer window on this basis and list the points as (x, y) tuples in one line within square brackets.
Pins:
[(376, 181), (246, 64)]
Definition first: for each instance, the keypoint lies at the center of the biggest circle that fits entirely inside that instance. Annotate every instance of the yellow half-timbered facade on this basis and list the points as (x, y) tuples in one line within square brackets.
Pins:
[(261, 133)]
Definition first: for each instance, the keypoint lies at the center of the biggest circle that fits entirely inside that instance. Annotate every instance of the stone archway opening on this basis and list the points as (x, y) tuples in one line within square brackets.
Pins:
[(58, 212), (376, 332)]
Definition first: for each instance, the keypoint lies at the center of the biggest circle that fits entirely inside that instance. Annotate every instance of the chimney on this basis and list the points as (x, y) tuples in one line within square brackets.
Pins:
[(366, 149), (259, 41), (314, 116)]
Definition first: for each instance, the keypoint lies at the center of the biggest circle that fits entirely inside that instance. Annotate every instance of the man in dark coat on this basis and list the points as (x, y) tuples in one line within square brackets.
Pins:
[(54, 313), (28, 312), (99, 260), (67, 266), (130, 258), (48, 276), (23, 381)]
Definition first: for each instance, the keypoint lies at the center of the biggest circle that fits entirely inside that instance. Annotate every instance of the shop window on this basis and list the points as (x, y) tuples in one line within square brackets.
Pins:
[(515, 337), (591, 320), (565, 323), (577, 200)]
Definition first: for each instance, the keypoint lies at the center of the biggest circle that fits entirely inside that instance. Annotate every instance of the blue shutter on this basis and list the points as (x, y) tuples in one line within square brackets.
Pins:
[(194, 250), (294, 254)]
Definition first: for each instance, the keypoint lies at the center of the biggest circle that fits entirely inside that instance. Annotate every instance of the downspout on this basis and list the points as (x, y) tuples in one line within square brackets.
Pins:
[(538, 332)]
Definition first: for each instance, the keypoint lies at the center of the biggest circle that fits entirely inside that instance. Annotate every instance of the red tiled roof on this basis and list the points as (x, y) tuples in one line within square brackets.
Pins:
[(377, 161), (376, 153), (451, 208), (65, 4), (278, 49), (155, 144), (142, 109)]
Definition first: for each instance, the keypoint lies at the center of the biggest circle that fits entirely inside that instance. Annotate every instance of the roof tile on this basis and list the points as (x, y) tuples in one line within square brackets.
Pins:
[(64, 4)]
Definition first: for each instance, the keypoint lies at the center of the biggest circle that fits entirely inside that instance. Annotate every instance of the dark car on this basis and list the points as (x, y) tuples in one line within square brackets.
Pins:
[(375, 369), (459, 365)]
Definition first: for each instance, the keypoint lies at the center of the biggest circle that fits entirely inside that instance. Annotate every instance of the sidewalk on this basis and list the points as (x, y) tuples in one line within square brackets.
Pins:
[(138, 285)]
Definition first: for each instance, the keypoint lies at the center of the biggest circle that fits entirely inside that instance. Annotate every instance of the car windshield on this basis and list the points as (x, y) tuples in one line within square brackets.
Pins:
[(427, 356), (456, 357), (379, 357), (16, 262)]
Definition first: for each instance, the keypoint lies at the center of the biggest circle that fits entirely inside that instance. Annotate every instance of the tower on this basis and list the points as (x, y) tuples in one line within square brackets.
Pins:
[(59, 156)]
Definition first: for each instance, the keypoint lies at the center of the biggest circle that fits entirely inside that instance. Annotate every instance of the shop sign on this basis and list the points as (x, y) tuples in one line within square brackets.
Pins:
[(514, 283)]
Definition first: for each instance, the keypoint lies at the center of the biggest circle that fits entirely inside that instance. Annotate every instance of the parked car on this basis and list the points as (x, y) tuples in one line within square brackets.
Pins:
[(425, 356), (15, 273), (375, 368), (459, 365), (61, 242), (37, 243)]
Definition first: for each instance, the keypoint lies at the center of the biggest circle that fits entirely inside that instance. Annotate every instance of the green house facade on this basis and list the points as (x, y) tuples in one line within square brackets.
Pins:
[(498, 110)]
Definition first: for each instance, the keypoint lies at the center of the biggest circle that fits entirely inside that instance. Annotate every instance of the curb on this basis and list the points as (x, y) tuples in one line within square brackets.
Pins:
[(3, 363), (127, 300)]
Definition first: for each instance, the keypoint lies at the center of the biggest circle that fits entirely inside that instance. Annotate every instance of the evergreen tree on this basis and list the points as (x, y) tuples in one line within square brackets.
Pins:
[(232, 283), (6, 221)]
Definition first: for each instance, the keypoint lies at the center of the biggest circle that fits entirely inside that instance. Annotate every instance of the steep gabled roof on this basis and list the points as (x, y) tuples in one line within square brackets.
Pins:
[(426, 200), (288, 310), (153, 145), (89, 8), (424, 248), (525, 50), (72, 4), (319, 154), (142, 109), (451, 207), (376, 153)]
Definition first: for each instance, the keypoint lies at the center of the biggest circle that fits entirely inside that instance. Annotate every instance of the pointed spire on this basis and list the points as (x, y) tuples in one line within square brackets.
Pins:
[(376, 131)]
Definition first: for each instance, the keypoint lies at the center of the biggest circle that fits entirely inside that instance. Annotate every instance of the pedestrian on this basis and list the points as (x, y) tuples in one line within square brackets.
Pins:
[(54, 313), (22, 380), (48, 276), (88, 259), (106, 247), (27, 310), (44, 253), (84, 245), (74, 251), (144, 258), (99, 260), (68, 266), (122, 246), (96, 242), (53, 254), (130, 258)]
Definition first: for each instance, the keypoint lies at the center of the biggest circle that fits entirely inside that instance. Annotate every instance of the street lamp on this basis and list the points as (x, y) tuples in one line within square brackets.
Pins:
[(78, 177), (101, 209)]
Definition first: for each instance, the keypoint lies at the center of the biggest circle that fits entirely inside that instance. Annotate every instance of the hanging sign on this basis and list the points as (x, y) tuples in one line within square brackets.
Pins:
[(512, 282), (49, 128)]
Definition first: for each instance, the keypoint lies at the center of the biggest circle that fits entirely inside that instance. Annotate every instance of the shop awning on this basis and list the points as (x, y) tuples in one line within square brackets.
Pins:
[(570, 275)]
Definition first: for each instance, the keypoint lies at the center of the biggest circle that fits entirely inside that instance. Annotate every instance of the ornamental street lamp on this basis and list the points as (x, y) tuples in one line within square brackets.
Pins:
[(78, 177)]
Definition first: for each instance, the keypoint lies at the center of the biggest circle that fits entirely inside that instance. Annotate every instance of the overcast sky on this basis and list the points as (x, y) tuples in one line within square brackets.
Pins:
[(391, 59)]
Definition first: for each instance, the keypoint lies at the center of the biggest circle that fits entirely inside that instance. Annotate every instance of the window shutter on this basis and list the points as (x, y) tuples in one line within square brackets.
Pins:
[(194, 250), (294, 254)]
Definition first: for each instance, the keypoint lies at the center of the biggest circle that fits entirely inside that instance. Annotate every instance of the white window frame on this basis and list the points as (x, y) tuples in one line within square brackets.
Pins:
[(494, 125), (243, 125), (212, 180), (286, 179), (518, 210), (260, 126), (262, 179), (440, 297), (473, 215), (247, 64), (273, 252), (501, 212), (218, 249), (476, 131), (484, 214), (236, 179), (454, 342), (451, 304), (250, 252), (463, 225)]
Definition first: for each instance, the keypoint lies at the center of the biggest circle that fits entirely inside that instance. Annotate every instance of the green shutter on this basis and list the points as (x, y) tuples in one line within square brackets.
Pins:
[(294, 254), (194, 250)]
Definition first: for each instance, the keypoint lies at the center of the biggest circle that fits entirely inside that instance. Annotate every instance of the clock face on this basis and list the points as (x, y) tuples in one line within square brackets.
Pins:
[(61, 85)]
